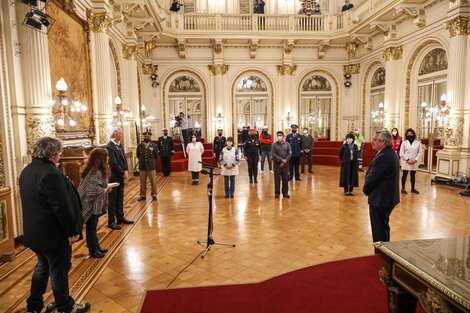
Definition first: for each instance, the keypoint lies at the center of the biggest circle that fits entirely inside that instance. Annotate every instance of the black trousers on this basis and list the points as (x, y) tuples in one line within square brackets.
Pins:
[(166, 165), (91, 236), (379, 221), (56, 265), (294, 164), (306, 157), (252, 160), (412, 179), (195, 176), (281, 173), (116, 204)]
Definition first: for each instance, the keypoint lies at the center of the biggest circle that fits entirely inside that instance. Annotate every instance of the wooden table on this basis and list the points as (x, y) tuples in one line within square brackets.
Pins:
[(435, 272)]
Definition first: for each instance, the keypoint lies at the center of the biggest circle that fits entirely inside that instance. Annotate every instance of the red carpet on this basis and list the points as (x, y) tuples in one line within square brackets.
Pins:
[(337, 287)]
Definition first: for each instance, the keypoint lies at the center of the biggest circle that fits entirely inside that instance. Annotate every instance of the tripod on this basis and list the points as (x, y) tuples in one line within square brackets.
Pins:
[(210, 227)]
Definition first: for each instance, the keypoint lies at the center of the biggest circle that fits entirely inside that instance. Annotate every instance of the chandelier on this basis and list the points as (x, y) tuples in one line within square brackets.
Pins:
[(437, 112), (121, 116), (378, 116), (219, 121), (63, 109)]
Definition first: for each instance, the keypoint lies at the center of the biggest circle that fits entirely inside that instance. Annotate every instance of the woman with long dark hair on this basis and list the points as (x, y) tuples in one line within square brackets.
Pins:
[(348, 154), (93, 191), (410, 152)]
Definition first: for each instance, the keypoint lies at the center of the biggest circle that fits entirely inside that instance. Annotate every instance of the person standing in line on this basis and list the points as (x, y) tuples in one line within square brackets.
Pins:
[(382, 185), (52, 222), (349, 177), (410, 152), (359, 141), (219, 144), (251, 153), (165, 150), (184, 125), (119, 173), (266, 140), (194, 150), (282, 153), (93, 191), (307, 151), (397, 140), (147, 154), (229, 161), (295, 141)]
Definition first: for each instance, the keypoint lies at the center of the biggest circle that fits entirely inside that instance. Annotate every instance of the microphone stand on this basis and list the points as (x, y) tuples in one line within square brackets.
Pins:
[(210, 225)]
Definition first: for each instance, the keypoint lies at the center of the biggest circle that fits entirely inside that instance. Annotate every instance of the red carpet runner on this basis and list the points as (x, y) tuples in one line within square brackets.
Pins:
[(347, 286)]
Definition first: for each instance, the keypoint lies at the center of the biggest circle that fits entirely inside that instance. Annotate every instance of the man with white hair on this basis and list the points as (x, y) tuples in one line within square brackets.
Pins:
[(119, 173)]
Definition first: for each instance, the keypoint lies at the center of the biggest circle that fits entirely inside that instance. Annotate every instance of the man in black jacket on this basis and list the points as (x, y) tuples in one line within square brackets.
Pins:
[(119, 172), (382, 185), (219, 144), (52, 222), (165, 149)]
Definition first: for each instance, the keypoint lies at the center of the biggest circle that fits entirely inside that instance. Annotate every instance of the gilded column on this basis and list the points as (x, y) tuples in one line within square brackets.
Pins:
[(393, 96), (130, 94), (100, 22), (220, 103), (36, 75)]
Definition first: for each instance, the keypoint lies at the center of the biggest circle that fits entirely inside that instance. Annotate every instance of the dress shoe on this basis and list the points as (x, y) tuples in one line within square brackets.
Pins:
[(141, 199), (226, 196), (125, 221), (351, 194), (114, 226), (286, 196), (154, 198), (415, 191), (96, 255), (301, 172), (310, 171), (298, 179), (276, 196), (251, 180), (102, 250), (231, 196), (403, 191), (78, 308), (256, 180)]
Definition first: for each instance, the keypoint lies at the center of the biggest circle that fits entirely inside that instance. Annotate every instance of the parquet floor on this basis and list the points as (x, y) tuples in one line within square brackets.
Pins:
[(272, 236)]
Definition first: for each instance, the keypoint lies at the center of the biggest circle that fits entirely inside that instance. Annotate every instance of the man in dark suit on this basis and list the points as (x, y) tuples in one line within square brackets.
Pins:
[(347, 6), (147, 153), (295, 141), (119, 173), (165, 149), (52, 222), (382, 185), (219, 144)]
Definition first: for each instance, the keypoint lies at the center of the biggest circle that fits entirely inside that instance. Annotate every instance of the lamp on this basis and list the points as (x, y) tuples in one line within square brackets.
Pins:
[(436, 111), (121, 115), (63, 108), (38, 20), (378, 116), (155, 82), (145, 119), (219, 121)]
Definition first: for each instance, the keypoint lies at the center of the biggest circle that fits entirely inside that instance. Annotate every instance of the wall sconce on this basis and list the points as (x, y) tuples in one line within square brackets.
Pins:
[(121, 116), (347, 80), (146, 119), (219, 121), (155, 82), (63, 108)]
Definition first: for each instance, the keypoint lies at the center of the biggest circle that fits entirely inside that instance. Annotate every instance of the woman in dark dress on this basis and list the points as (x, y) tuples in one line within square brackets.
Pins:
[(349, 177)]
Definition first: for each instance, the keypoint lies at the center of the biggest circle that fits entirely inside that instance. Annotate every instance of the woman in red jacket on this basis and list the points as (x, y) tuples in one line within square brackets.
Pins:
[(396, 140)]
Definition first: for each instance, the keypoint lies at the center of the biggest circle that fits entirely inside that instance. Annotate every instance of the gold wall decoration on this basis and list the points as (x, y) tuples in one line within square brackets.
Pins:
[(251, 83), (324, 45), (288, 47), (105, 126), (217, 47), (459, 25), (2, 167), (99, 22), (286, 69), (432, 302), (218, 69), (409, 68), (378, 79), (117, 66), (149, 46), (364, 94), (129, 52), (3, 221), (351, 48), (393, 53), (253, 47), (352, 69), (434, 61), (38, 126), (453, 134), (316, 83), (69, 57), (184, 84), (149, 69), (182, 48)]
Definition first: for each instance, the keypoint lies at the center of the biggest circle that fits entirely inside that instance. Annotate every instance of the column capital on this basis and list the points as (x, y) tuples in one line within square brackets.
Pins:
[(149, 69), (393, 53), (459, 25), (100, 22), (218, 69), (286, 69), (129, 52), (352, 68), (351, 48)]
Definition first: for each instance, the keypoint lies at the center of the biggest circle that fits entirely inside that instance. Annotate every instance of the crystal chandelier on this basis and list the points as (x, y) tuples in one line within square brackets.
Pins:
[(378, 116), (437, 112), (121, 116)]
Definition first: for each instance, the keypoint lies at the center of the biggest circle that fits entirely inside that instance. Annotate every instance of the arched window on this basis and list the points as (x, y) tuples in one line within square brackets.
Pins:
[(316, 97), (377, 91), (251, 102)]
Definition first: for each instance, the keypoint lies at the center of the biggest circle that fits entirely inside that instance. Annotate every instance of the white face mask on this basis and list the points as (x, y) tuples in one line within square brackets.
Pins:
[(394, 133), (349, 141), (229, 144), (356, 132), (193, 139), (305, 132)]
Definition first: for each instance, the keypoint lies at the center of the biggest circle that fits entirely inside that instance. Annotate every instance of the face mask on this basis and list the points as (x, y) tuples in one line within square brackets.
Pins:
[(305, 132), (349, 141), (147, 140), (294, 131), (165, 134), (265, 131), (410, 137), (356, 132), (193, 139), (220, 134), (279, 138), (229, 144), (394, 133)]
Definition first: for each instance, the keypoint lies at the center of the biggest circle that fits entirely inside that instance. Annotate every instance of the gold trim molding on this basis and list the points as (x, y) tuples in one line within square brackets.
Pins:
[(117, 67), (218, 69), (149, 69), (99, 22), (2, 168), (459, 25), (286, 69), (364, 93), (393, 53), (352, 68), (38, 126), (351, 48), (104, 126), (129, 52), (432, 302)]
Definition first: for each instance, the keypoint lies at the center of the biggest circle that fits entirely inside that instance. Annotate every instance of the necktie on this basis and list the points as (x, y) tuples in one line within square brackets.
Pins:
[(121, 152)]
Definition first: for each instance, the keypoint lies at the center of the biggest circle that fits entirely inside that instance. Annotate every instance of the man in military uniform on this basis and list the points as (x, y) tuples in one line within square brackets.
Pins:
[(219, 144), (147, 153), (295, 141), (165, 149), (307, 148)]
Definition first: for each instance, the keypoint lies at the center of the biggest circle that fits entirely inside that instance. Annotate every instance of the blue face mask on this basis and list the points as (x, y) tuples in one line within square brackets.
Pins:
[(279, 138)]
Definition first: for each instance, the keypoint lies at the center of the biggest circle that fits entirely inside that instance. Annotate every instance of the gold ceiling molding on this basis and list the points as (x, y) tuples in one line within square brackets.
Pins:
[(182, 48), (364, 94), (351, 48), (217, 47), (352, 69), (324, 45), (288, 47), (149, 46), (129, 52), (100, 22), (459, 25), (218, 69), (149, 69), (286, 69), (253, 47), (393, 53), (117, 67)]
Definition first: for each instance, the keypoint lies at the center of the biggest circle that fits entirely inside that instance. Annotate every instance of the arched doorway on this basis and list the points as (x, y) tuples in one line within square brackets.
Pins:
[(377, 92)]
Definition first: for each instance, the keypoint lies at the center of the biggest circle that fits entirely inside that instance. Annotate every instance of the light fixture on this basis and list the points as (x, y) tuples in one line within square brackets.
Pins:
[(155, 82), (436, 111), (378, 116), (146, 120), (219, 121), (347, 80), (38, 20), (64, 109), (121, 115)]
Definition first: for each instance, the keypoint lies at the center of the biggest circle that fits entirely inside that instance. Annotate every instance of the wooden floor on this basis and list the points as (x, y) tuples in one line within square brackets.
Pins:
[(272, 236)]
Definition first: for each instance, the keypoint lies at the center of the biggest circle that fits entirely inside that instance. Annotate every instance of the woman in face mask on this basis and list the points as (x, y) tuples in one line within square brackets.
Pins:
[(251, 152), (229, 161), (349, 175), (194, 150), (410, 153), (396, 140)]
